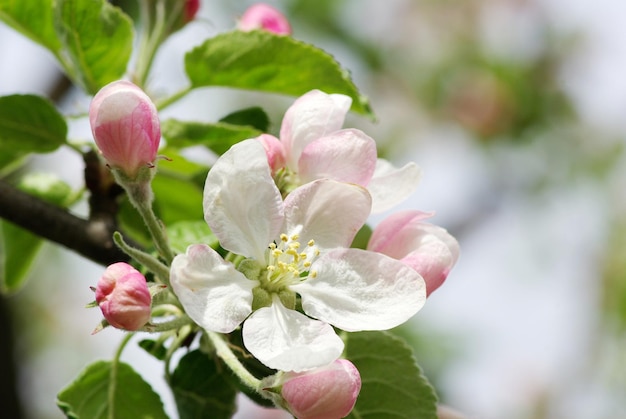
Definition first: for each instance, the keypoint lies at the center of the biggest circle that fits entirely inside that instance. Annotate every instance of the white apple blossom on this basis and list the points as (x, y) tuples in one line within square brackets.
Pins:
[(298, 246), (312, 146)]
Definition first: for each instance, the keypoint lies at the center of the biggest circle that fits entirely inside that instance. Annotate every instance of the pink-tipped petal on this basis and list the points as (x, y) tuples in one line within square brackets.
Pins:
[(346, 156), (313, 115), (275, 151)]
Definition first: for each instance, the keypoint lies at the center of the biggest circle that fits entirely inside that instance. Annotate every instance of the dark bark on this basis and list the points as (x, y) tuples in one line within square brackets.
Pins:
[(89, 238), (11, 407)]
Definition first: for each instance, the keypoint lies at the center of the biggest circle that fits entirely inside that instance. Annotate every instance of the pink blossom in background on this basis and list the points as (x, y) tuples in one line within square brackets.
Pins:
[(263, 16), (191, 8)]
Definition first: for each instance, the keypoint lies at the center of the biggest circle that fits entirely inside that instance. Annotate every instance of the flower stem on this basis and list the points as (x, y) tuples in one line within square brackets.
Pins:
[(139, 191), (164, 103), (177, 323), (230, 359), (180, 336), (113, 376), (161, 271)]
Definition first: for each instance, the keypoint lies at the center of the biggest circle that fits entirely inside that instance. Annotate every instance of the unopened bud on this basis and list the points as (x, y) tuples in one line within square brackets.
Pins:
[(191, 8), (427, 248), (125, 126), (123, 296), (328, 392), (263, 16)]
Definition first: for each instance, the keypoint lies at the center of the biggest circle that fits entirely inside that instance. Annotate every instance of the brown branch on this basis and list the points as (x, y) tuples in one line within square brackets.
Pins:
[(89, 238)]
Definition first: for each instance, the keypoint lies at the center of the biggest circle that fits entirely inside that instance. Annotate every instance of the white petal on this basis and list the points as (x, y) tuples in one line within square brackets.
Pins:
[(359, 290), (214, 294), (329, 212), (312, 116), (287, 340), (390, 186), (242, 204)]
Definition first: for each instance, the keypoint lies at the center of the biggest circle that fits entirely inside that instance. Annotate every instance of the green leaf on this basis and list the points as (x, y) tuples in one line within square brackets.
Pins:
[(19, 247), (218, 137), (177, 200), (184, 233), (201, 389), (33, 19), (47, 186), (97, 40), (154, 348), (87, 396), (392, 383), (254, 117), (261, 60), (30, 124)]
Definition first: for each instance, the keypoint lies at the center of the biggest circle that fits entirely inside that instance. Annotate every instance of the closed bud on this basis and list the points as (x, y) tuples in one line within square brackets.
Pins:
[(123, 296), (328, 392), (263, 16), (191, 8), (125, 126), (427, 248)]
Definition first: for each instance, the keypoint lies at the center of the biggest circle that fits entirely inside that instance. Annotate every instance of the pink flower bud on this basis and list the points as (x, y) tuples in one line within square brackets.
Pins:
[(125, 126), (427, 248), (328, 392), (191, 8), (123, 297), (263, 16)]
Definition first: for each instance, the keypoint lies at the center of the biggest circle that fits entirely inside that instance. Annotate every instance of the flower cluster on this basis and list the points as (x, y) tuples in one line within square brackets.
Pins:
[(287, 210), (290, 208)]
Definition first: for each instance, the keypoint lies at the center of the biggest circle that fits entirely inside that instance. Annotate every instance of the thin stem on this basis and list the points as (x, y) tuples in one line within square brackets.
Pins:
[(164, 103), (230, 359), (161, 271), (113, 375), (167, 326), (139, 191), (144, 59), (179, 338), (156, 231)]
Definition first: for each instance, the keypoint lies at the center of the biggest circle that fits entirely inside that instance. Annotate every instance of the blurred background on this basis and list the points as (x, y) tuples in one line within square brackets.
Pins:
[(516, 112)]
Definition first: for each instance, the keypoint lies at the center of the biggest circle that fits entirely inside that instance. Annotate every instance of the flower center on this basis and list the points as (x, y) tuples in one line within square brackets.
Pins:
[(287, 264)]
